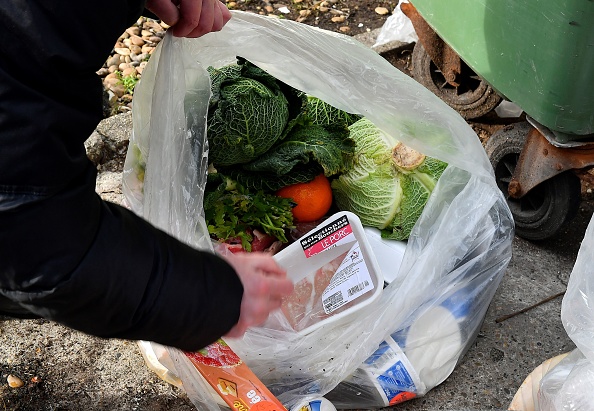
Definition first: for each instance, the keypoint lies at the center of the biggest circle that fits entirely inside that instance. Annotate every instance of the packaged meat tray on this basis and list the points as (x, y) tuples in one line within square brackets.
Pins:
[(334, 271)]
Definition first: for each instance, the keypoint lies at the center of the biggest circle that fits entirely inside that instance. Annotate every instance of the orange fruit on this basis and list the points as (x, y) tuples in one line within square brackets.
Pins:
[(313, 198)]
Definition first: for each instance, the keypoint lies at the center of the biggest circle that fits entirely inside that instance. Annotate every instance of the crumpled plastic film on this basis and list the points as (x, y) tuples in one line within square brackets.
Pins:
[(570, 384), (461, 245)]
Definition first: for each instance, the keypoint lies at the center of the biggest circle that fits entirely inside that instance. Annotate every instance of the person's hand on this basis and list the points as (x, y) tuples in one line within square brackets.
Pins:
[(264, 286), (191, 18)]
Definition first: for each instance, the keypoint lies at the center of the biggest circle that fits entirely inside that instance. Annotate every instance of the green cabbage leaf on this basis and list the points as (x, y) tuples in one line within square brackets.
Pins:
[(305, 153), (321, 113), (389, 184), (249, 111)]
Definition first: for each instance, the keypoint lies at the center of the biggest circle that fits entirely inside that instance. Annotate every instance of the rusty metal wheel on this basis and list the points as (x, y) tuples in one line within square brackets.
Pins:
[(472, 99), (544, 210)]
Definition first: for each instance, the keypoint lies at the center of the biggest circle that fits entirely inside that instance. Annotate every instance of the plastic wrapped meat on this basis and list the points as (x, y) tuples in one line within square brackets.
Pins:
[(304, 307)]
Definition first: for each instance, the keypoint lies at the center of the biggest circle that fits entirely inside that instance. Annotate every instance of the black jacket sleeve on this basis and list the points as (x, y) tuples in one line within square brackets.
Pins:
[(65, 254)]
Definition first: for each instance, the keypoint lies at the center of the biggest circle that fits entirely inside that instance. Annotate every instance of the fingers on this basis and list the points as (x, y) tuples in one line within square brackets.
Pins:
[(191, 18), (200, 17), (166, 10), (265, 284), (255, 261), (225, 14), (280, 287), (269, 266)]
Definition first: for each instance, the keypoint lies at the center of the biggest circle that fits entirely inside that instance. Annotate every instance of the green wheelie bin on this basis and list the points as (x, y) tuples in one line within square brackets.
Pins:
[(538, 54)]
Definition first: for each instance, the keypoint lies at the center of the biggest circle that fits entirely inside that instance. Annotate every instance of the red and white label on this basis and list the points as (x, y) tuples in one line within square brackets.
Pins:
[(336, 233)]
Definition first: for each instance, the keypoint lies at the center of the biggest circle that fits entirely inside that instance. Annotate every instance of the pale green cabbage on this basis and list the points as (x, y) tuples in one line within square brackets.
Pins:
[(388, 184)]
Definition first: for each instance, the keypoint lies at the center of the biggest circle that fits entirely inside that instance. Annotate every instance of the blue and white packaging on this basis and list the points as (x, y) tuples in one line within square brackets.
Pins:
[(318, 404), (392, 374)]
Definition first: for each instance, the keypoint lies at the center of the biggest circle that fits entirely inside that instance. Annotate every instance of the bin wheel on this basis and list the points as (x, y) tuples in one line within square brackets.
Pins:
[(541, 212), (472, 99)]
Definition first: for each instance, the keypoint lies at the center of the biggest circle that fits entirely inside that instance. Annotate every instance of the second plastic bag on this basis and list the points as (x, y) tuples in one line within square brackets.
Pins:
[(569, 384), (456, 254)]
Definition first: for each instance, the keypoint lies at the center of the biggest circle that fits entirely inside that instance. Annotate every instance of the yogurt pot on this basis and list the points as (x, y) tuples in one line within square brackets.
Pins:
[(335, 273), (392, 374)]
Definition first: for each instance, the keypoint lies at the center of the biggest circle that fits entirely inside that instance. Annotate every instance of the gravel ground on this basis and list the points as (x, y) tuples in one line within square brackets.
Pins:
[(132, 50)]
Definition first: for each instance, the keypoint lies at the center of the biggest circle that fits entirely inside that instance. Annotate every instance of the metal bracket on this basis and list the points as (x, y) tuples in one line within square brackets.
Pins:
[(442, 55), (540, 160)]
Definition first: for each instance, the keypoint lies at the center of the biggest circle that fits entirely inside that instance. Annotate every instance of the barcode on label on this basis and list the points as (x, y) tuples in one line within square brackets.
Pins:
[(331, 302), (357, 288)]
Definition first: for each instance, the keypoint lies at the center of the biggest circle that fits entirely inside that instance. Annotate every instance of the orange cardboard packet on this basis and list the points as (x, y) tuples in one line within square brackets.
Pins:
[(232, 379)]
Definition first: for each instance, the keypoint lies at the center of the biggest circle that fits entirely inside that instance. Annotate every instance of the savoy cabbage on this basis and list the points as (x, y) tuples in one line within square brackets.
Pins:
[(249, 111), (388, 184)]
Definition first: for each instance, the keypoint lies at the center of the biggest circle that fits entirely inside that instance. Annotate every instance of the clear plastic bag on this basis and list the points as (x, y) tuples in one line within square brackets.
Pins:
[(570, 384), (455, 257)]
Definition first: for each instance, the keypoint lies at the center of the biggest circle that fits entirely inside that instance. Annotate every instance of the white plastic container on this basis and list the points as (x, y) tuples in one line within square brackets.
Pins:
[(334, 270), (392, 374), (318, 404), (388, 253)]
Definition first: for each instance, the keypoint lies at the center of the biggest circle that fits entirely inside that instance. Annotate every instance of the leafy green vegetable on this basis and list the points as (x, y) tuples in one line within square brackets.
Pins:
[(139, 163), (330, 147), (249, 112), (321, 113), (389, 183), (271, 182), (232, 211), (305, 153)]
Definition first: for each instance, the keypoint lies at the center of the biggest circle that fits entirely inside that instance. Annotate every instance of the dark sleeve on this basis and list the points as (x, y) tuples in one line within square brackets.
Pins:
[(65, 254), (98, 268)]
